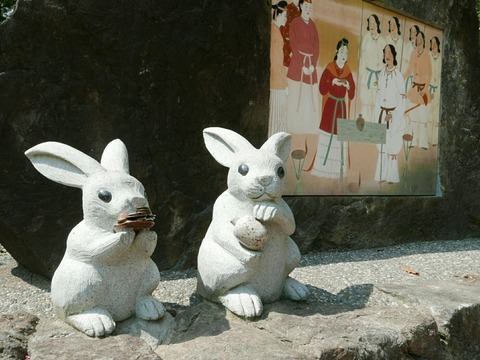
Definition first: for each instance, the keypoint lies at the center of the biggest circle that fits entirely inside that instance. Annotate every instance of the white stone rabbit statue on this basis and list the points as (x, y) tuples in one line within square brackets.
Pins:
[(106, 274), (247, 254)]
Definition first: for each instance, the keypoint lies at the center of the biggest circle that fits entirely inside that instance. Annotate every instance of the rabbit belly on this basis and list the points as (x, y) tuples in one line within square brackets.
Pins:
[(123, 284), (218, 270), (80, 286), (75, 287), (269, 277)]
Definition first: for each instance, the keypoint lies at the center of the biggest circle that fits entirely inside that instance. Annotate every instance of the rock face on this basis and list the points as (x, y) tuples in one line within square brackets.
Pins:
[(56, 340), (15, 330), (155, 74), (132, 339)]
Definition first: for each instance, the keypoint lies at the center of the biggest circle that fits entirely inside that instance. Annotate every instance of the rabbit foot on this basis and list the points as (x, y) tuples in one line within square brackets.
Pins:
[(242, 301), (149, 308), (295, 290), (96, 322)]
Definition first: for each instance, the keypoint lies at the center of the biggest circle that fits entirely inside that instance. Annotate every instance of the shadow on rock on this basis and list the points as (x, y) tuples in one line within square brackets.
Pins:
[(33, 279), (154, 333), (202, 320), (323, 302)]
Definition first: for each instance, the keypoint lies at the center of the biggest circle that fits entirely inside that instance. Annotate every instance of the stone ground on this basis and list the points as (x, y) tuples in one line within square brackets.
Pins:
[(414, 301)]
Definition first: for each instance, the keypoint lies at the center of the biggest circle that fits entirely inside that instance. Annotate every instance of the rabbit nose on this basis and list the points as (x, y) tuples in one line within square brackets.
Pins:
[(265, 180), (139, 202)]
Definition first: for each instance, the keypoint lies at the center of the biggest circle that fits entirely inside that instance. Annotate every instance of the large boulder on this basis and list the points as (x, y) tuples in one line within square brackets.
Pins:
[(154, 74)]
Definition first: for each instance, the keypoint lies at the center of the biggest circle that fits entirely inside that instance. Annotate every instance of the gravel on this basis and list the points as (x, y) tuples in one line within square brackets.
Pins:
[(345, 278)]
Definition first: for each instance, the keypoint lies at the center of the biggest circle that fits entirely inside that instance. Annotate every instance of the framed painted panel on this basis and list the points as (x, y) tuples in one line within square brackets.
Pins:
[(358, 87)]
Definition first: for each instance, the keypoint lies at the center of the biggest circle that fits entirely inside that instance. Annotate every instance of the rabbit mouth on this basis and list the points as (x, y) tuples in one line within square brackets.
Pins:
[(260, 196), (140, 220)]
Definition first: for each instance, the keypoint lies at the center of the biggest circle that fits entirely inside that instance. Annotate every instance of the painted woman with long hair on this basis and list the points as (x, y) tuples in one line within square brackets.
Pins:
[(337, 88)]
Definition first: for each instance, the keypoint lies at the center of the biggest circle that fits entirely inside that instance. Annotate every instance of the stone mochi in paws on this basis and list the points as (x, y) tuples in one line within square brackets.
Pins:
[(250, 232)]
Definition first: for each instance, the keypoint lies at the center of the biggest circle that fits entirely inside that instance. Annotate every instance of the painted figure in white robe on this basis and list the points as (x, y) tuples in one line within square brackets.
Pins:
[(418, 95), (434, 106), (389, 109), (410, 46), (394, 34), (278, 72), (370, 66)]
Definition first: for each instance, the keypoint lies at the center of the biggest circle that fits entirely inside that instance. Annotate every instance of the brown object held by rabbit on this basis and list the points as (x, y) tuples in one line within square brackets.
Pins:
[(140, 220), (250, 232)]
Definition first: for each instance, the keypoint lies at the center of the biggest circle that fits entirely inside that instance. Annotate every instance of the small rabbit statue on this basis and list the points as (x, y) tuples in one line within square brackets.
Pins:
[(106, 274), (247, 254)]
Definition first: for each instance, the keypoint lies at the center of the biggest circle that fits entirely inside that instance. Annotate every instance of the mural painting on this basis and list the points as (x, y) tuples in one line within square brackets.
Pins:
[(358, 87)]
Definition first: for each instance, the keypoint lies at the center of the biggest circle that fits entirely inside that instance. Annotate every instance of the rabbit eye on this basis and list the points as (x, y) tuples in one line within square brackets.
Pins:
[(105, 196), (243, 169), (281, 172)]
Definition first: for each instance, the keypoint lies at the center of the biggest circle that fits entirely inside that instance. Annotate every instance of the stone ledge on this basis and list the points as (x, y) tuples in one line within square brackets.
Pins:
[(426, 320)]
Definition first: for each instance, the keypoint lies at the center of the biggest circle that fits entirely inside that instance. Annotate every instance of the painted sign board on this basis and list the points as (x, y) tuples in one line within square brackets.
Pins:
[(336, 65)]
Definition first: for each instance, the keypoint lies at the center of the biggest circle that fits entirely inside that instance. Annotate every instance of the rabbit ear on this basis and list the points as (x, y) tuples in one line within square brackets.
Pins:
[(115, 157), (223, 144), (62, 163), (279, 144)]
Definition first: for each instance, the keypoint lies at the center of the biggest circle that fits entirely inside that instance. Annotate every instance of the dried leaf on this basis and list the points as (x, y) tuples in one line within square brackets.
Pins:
[(468, 277), (410, 271)]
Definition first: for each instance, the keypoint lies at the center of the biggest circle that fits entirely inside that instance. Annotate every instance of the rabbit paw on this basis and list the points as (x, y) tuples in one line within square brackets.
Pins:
[(127, 236), (242, 301), (264, 211), (96, 322), (295, 290), (145, 242), (149, 308)]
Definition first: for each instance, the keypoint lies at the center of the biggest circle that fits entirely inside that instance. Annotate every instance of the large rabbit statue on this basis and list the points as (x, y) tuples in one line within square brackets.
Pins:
[(247, 254), (106, 274)]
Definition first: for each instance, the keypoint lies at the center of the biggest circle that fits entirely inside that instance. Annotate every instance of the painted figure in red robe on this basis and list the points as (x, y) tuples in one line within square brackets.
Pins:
[(336, 84), (303, 100), (293, 12)]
